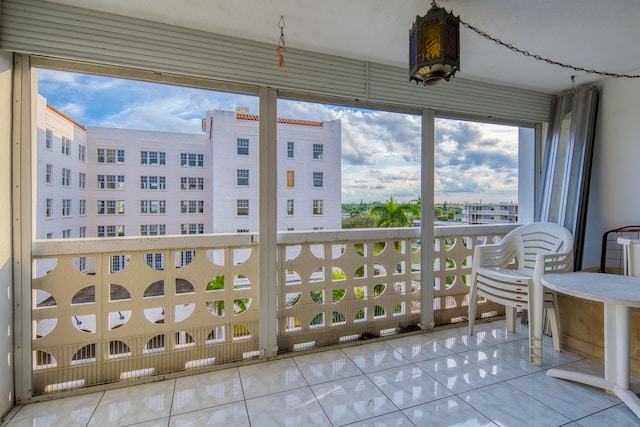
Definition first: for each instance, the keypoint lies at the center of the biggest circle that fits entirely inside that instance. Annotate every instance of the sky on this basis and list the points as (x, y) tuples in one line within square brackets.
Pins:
[(475, 162)]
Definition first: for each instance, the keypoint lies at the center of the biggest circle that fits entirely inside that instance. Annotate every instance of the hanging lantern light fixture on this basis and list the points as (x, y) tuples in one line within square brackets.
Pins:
[(434, 46)]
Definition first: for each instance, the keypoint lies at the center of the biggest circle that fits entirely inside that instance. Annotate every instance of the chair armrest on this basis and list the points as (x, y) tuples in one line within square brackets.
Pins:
[(493, 255), (556, 262)]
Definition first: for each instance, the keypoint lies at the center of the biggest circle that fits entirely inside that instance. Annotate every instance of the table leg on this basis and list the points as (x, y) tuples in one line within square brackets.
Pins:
[(616, 345), (616, 359)]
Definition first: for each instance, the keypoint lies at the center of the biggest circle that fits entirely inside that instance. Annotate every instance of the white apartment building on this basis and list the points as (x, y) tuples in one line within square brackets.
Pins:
[(62, 190), (107, 182), (309, 172), (146, 183)]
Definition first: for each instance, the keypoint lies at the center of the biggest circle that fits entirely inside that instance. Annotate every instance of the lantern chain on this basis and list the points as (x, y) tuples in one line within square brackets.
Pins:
[(539, 57)]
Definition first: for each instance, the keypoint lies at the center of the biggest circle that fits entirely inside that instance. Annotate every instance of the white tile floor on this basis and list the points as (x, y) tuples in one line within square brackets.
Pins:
[(443, 378)]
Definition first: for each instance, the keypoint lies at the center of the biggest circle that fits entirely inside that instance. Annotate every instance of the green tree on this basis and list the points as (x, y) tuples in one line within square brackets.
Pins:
[(360, 221), (392, 214)]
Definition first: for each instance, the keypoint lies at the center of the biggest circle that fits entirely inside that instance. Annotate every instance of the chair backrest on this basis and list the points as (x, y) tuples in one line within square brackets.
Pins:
[(538, 238), (631, 255)]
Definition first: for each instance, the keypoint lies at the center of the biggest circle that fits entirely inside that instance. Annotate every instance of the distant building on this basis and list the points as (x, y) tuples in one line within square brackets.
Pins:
[(490, 213)]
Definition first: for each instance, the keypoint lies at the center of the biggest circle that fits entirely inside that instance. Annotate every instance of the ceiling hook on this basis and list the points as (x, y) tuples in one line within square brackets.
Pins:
[(281, 47)]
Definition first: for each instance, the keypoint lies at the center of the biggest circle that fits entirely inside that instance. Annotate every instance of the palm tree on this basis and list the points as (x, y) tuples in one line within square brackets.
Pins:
[(392, 214)]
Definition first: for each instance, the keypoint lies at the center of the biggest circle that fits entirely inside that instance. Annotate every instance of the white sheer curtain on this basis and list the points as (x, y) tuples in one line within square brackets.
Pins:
[(567, 164)]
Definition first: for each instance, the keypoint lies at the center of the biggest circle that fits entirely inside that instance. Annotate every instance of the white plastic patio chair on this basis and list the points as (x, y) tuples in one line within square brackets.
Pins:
[(630, 255), (510, 273)]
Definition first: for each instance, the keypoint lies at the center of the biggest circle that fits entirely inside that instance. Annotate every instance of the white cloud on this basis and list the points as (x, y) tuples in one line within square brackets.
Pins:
[(380, 150)]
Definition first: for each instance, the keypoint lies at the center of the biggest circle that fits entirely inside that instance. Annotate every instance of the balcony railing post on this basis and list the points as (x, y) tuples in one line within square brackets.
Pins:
[(268, 343), (427, 216), (21, 166)]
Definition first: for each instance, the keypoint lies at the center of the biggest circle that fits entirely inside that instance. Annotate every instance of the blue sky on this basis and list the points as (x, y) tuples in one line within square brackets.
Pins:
[(381, 150)]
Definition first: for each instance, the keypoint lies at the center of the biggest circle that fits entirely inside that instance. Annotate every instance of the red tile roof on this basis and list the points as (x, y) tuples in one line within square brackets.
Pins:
[(243, 116), (55, 110)]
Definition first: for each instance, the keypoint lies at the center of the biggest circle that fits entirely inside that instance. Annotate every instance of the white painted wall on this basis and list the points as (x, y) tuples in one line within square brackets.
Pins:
[(526, 174), (6, 259), (613, 199)]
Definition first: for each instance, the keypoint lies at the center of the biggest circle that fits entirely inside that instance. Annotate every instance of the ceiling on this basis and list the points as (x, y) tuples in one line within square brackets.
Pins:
[(593, 34)]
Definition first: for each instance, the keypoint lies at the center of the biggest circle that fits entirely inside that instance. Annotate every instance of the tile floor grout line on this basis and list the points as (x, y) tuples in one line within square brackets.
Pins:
[(93, 413), (173, 397)]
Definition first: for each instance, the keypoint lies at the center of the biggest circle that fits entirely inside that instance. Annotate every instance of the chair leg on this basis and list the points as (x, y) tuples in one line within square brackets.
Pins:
[(512, 316), (553, 323), (536, 314), (473, 305)]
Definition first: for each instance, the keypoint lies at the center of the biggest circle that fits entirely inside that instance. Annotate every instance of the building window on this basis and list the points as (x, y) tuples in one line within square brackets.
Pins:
[(155, 261), (110, 207), (191, 228), (152, 206), (82, 207), (66, 146), (82, 153), (110, 155), (153, 158), (318, 151), (186, 257), (49, 235), (192, 206), (82, 180), (82, 263), (153, 229), (110, 230), (191, 183), (117, 263), (242, 207), (152, 183), (318, 179), (82, 233), (49, 208), (48, 176), (317, 207), (289, 207), (243, 147), (242, 177), (110, 182), (48, 139), (192, 160), (290, 179), (66, 207), (66, 234), (290, 149), (66, 177)]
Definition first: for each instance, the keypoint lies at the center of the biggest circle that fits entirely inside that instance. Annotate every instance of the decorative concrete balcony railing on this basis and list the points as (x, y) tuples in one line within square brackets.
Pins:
[(113, 310)]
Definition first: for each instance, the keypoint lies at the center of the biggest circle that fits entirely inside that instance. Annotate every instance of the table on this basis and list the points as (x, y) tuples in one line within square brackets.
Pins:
[(618, 293)]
